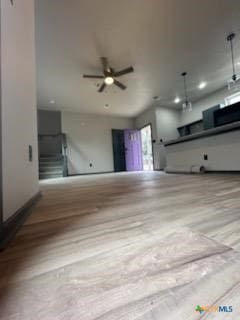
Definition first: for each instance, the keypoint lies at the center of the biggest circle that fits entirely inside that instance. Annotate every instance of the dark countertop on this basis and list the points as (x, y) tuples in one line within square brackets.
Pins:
[(206, 133)]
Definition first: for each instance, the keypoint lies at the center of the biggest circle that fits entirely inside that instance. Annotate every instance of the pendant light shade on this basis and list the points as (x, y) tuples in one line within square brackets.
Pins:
[(187, 105)]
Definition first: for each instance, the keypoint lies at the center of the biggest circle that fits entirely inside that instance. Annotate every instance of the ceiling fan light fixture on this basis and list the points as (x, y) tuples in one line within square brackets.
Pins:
[(109, 76), (109, 81)]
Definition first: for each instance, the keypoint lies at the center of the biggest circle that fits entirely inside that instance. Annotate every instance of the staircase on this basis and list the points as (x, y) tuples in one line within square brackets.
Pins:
[(51, 166)]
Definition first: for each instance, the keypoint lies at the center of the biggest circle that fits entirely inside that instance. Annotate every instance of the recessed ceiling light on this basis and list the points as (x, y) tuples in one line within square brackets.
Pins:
[(202, 85), (109, 81), (106, 106), (238, 63), (177, 100), (52, 101)]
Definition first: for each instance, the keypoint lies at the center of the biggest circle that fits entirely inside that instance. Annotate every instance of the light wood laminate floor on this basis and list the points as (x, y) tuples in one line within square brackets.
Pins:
[(145, 246)]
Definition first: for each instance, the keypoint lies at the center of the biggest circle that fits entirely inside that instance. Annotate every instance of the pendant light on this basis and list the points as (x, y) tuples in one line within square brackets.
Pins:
[(187, 105), (233, 83)]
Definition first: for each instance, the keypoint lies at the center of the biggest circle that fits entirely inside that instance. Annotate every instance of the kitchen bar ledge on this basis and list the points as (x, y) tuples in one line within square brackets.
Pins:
[(205, 133)]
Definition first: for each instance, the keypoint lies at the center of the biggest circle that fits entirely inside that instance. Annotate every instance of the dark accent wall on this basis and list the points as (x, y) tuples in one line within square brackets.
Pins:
[(118, 150), (49, 122), (49, 126)]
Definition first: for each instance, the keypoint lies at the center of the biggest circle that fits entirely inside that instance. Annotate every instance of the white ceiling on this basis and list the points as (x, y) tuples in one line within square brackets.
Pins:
[(159, 38)]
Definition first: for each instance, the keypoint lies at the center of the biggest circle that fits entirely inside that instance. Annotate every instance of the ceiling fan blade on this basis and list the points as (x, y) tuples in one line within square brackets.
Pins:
[(92, 76), (105, 63), (119, 84), (124, 71), (102, 87)]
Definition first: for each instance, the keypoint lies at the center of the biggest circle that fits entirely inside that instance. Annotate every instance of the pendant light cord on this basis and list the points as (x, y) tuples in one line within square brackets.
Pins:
[(233, 60), (230, 39), (185, 87)]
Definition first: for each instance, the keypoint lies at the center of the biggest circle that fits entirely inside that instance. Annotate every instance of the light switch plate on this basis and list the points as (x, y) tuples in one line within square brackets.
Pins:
[(30, 153)]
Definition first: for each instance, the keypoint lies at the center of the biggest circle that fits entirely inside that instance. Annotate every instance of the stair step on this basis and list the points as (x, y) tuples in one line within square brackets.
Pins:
[(50, 168), (54, 155), (49, 164), (49, 176), (47, 159)]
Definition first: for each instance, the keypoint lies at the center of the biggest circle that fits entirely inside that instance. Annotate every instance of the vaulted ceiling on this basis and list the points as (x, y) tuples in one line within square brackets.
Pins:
[(159, 38)]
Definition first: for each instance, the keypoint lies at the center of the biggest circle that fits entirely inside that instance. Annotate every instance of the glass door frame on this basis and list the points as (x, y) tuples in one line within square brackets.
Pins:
[(152, 140)]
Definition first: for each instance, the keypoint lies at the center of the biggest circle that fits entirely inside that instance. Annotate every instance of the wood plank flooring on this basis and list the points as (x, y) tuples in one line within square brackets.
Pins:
[(145, 246)]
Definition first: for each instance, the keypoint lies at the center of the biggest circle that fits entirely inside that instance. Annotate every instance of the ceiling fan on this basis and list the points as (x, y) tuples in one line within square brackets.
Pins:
[(109, 75)]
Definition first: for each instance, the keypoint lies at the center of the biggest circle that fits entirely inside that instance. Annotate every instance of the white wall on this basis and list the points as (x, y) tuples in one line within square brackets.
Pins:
[(19, 120), (209, 101), (90, 141), (147, 117), (223, 152), (167, 122)]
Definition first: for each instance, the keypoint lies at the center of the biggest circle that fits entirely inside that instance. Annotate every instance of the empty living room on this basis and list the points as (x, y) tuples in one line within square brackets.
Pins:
[(119, 159)]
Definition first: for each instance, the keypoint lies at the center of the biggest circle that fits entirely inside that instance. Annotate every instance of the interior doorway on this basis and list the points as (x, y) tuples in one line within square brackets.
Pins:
[(127, 150), (147, 150), (119, 159)]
